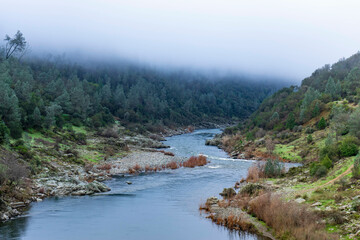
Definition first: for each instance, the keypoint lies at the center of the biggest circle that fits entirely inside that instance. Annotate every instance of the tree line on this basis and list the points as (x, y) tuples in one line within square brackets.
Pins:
[(38, 93)]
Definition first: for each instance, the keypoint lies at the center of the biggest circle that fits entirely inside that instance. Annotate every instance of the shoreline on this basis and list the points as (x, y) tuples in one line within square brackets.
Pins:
[(64, 179)]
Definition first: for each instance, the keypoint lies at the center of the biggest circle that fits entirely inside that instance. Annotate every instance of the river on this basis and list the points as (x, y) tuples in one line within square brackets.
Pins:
[(162, 205)]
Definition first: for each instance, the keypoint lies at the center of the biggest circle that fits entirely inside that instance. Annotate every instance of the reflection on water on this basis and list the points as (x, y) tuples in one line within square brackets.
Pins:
[(161, 205)]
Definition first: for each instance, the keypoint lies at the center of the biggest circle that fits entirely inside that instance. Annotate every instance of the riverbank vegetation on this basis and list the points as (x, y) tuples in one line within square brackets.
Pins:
[(316, 124)]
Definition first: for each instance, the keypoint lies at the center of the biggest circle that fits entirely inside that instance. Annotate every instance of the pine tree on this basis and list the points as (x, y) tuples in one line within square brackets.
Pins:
[(290, 122), (322, 123), (36, 118), (331, 87), (9, 110)]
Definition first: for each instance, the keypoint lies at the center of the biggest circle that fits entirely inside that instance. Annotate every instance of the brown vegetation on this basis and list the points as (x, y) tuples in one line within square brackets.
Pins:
[(234, 222), (195, 161), (288, 218), (172, 165), (105, 166)]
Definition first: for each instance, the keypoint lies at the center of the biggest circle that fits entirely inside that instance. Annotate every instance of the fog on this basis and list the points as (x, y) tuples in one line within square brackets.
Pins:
[(285, 39)]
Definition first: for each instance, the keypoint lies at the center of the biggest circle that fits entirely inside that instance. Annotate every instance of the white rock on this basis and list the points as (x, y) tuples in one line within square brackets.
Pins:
[(300, 200), (316, 204)]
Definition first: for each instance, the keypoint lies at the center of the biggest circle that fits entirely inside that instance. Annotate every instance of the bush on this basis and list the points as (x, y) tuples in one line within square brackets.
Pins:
[(321, 171), (11, 168), (253, 174), (332, 151), (309, 130), (273, 168), (356, 168), (309, 138), (326, 162), (195, 161), (250, 136), (313, 168), (348, 147)]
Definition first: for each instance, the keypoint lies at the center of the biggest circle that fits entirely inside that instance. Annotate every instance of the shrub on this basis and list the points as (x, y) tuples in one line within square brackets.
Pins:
[(80, 138), (331, 150), (321, 171), (348, 147), (250, 136), (195, 161), (309, 138), (356, 168), (11, 168), (253, 174), (309, 130), (273, 168), (252, 189), (108, 133), (313, 168), (172, 165), (326, 162)]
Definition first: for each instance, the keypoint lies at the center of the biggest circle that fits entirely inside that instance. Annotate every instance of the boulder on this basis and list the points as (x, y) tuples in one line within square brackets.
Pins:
[(300, 200), (228, 193), (212, 201)]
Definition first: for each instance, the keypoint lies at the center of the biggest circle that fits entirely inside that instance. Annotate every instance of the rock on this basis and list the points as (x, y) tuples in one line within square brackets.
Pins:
[(316, 204), (328, 208), (317, 209), (212, 201), (79, 193), (216, 141), (300, 200), (128, 182), (228, 193), (17, 204), (4, 217)]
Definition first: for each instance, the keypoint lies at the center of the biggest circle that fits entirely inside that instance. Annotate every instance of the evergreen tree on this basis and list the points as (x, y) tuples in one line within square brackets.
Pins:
[(331, 87), (322, 123), (36, 118), (51, 112), (4, 132), (290, 122), (9, 109)]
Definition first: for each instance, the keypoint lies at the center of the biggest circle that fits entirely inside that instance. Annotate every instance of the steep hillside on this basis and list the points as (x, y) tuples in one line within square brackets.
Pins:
[(317, 124)]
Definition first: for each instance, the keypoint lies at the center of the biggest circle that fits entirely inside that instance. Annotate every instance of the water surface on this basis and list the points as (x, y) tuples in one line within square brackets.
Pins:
[(156, 206)]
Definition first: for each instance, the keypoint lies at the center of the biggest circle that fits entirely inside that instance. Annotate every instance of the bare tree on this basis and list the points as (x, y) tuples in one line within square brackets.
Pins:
[(270, 145), (15, 45)]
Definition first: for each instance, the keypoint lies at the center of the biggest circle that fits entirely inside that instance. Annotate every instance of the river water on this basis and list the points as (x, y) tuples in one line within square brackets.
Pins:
[(162, 205)]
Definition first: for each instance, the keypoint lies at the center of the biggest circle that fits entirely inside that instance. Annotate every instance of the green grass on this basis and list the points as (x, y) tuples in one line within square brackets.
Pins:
[(36, 135), (94, 157), (287, 152), (79, 129)]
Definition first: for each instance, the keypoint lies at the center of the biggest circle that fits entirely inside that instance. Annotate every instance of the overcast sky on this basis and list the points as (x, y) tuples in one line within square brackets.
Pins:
[(280, 38)]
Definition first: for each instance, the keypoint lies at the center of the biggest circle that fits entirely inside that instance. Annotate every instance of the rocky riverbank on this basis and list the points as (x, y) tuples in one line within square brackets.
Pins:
[(64, 179)]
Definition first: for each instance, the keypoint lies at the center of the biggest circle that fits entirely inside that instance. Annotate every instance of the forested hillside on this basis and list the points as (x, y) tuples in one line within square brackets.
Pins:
[(317, 124), (42, 94)]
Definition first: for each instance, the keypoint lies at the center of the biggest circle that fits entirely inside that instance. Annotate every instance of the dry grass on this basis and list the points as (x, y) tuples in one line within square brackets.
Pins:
[(253, 174), (105, 166), (137, 168), (288, 218), (172, 165), (233, 222), (195, 161)]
